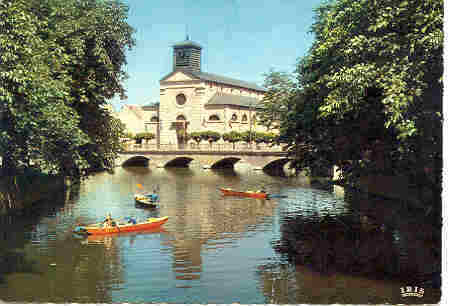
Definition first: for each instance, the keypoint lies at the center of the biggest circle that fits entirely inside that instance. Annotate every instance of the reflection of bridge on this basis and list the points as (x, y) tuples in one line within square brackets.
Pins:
[(258, 159)]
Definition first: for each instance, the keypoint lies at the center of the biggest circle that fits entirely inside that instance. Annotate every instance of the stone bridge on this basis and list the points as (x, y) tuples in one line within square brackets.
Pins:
[(258, 160)]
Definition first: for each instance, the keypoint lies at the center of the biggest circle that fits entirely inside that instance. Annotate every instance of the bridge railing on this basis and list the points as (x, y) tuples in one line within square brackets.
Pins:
[(202, 147)]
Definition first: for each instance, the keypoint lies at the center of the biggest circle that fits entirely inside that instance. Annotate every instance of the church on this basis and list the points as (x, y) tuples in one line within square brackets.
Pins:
[(193, 101)]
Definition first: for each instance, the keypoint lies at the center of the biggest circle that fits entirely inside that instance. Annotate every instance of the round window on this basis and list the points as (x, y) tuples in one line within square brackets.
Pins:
[(181, 99)]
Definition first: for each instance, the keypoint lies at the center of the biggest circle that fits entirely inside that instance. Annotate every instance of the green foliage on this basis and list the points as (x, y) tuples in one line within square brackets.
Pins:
[(196, 136), (261, 137), (277, 101), (210, 136), (129, 135), (60, 63), (368, 95), (145, 136), (248, 136), (232, 136)]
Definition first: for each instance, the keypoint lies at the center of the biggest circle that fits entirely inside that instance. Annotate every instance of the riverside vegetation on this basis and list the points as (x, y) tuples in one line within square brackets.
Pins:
[(60, 63), (367, 96)]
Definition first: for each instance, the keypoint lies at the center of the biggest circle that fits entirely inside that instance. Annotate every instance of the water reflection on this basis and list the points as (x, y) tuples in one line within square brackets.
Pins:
[(47, 260), (312, 203), (284, 284), (366, 240), (211, 247)]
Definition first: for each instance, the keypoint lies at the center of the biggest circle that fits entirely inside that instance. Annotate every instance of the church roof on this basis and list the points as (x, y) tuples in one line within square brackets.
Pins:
[(187, 43), (218, 79), (229, 99), (226, 80)]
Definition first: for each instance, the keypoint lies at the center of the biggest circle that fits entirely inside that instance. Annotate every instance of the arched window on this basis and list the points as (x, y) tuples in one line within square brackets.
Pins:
[(180, 99), (180, 118), (244, 118), (213, 118), (234, 117), (154, 119)]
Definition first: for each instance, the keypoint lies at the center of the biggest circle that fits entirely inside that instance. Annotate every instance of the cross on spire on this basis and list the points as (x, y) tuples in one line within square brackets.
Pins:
[(186, 30)]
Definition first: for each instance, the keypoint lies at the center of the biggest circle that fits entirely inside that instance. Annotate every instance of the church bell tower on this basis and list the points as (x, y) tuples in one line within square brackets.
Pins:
[(187, 56)]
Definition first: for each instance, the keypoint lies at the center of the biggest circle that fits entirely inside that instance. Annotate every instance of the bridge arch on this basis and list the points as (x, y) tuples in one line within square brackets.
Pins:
[(276, 167), (181, 161), (227, 162), (136, 161)]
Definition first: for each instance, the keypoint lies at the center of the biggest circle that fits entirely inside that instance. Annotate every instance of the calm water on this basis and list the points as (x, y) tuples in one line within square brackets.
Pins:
[(213, 249)]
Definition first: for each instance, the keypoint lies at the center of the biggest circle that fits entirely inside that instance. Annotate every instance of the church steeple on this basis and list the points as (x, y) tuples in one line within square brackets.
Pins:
[(187, 56)]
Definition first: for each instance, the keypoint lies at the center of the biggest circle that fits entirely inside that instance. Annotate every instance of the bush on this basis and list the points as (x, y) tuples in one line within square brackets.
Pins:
[(139, 137), (210, 136), (145, 136), (248, 136), (269, 138), (196, 136), (232, 136), (129, 135)]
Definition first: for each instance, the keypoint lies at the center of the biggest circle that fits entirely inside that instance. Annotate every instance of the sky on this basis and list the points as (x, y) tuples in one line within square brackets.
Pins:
[(241, 39)]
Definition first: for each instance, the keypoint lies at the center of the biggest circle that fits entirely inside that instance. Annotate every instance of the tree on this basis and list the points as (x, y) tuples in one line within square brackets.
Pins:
[(196, 136), (381, 65), (277, 100), (369, 96), (248, 136), (267, 138), (210, 136), (144, 135), (60, 63), (232, 137)]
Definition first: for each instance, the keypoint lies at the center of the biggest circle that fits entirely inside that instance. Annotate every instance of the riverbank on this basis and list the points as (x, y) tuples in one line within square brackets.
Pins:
[(20, 193)]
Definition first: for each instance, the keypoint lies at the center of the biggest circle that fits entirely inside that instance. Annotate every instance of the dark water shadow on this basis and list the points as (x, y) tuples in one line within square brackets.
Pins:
[(224, 172), (274, 171), (373, 240), (13, 238), (15, 261), (137, 170)]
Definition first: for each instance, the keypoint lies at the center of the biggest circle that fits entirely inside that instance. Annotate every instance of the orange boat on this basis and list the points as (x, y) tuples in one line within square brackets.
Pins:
[(100, 229), (250, 194)]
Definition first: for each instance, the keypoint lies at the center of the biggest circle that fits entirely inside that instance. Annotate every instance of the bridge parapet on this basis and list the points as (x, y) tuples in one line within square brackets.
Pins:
[(207, 159), (222, 147)]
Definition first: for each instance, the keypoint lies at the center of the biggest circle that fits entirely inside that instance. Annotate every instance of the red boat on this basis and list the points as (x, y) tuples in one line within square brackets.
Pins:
[(100, 229), (250, 194)]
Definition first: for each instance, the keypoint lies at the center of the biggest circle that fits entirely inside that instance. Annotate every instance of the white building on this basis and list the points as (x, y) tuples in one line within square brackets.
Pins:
[(192, 100)]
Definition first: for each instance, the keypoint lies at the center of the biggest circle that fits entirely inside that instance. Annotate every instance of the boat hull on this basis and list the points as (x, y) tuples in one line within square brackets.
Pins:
[(145, 201), (257, 195), (123, 228)]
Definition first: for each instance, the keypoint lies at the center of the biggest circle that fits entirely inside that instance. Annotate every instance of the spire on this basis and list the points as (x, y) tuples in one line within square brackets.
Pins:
[(186, 30)]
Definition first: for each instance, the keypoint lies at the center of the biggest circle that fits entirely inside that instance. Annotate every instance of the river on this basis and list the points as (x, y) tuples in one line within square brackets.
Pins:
[(213, 249)]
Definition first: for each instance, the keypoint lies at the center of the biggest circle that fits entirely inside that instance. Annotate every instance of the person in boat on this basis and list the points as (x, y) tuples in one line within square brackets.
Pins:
[(108, 221), (154, 197)]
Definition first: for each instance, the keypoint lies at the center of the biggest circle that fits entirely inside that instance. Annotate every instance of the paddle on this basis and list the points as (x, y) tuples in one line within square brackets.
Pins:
[(273, 196)]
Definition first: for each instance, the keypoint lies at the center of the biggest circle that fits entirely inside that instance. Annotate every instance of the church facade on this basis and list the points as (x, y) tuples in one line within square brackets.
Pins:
[(193, 101)]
